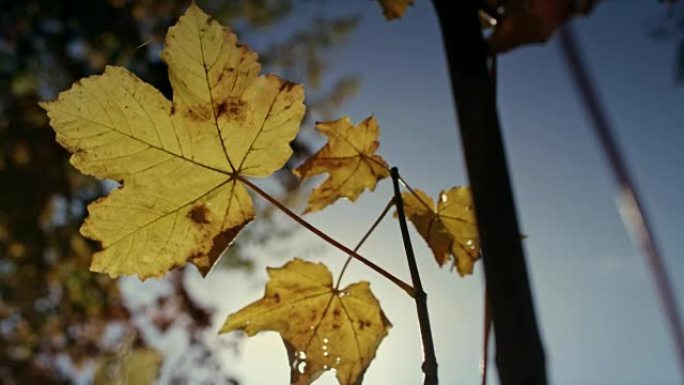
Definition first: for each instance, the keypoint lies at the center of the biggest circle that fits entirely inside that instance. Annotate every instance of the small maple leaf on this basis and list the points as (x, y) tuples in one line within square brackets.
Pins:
[(394, 9), (323, 328), (349, 159), (179, 161), (449, 228)]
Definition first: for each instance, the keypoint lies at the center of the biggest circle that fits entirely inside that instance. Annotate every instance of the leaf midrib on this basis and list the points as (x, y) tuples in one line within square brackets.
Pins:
[(211, 99), (224, 172)]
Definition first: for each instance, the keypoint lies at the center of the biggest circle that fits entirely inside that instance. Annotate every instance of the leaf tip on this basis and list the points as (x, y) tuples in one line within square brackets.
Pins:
[(193, 7), (45, 104), (394, 9)]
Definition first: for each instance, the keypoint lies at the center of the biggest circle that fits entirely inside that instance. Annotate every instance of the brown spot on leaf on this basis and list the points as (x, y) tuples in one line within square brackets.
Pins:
[(220, 77), (232, 108), (220, 242), (336, 313), (197, 258), (363, 324), (195, 255), (287, 86), (336, 326), (198, 113), (173, 109), (276, 297), (199, 214), (222, 109)]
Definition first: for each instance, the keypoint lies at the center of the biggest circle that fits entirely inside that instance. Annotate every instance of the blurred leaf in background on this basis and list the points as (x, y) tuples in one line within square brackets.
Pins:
[(128, 365), (669, 26)]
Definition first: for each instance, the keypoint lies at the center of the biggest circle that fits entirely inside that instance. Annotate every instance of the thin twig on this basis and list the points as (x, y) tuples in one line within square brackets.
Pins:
[(633, 213), (403, 285), (485, 338), (430, 360), (487, 327), (363, 240)]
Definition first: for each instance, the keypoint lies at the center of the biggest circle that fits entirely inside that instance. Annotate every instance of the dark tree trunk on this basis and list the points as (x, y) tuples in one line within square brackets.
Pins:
[(519, 352)]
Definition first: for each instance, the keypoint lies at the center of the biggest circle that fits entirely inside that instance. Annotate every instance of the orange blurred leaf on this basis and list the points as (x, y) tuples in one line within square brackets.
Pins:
[(394, 9)]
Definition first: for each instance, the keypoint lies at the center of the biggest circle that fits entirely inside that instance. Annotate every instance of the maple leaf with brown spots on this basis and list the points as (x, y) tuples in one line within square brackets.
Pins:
[(180, 162), (323, 328)]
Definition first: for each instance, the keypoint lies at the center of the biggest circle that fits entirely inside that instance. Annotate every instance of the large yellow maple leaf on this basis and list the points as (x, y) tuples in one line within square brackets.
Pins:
[(449, 227), (348, 158), (323, 328), (179, 162)]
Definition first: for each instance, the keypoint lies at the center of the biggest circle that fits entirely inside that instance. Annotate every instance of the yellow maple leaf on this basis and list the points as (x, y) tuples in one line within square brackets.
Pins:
[(178, 161), (394, 9), (323, 328), (349, 159), (449, 228)]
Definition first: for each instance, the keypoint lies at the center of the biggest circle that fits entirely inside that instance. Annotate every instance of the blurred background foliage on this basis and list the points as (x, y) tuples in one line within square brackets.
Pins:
[(670, 27), (59, 323)]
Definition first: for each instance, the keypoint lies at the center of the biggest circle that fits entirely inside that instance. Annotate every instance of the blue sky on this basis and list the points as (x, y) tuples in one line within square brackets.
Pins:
[(600, 316)]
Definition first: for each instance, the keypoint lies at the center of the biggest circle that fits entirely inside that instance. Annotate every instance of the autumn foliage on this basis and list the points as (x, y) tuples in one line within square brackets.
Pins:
[(184, 164)]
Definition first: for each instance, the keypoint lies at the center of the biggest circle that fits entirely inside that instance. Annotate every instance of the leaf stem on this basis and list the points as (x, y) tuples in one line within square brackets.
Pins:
[(408, 187), (430, 361), (363, 240), (403, 285), (403, 182)]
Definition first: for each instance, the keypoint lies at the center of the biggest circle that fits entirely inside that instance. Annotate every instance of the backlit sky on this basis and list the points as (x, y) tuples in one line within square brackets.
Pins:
[(599, 314)]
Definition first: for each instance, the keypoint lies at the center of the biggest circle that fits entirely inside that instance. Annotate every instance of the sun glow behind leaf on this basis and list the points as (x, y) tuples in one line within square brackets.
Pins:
[(322, 328)]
